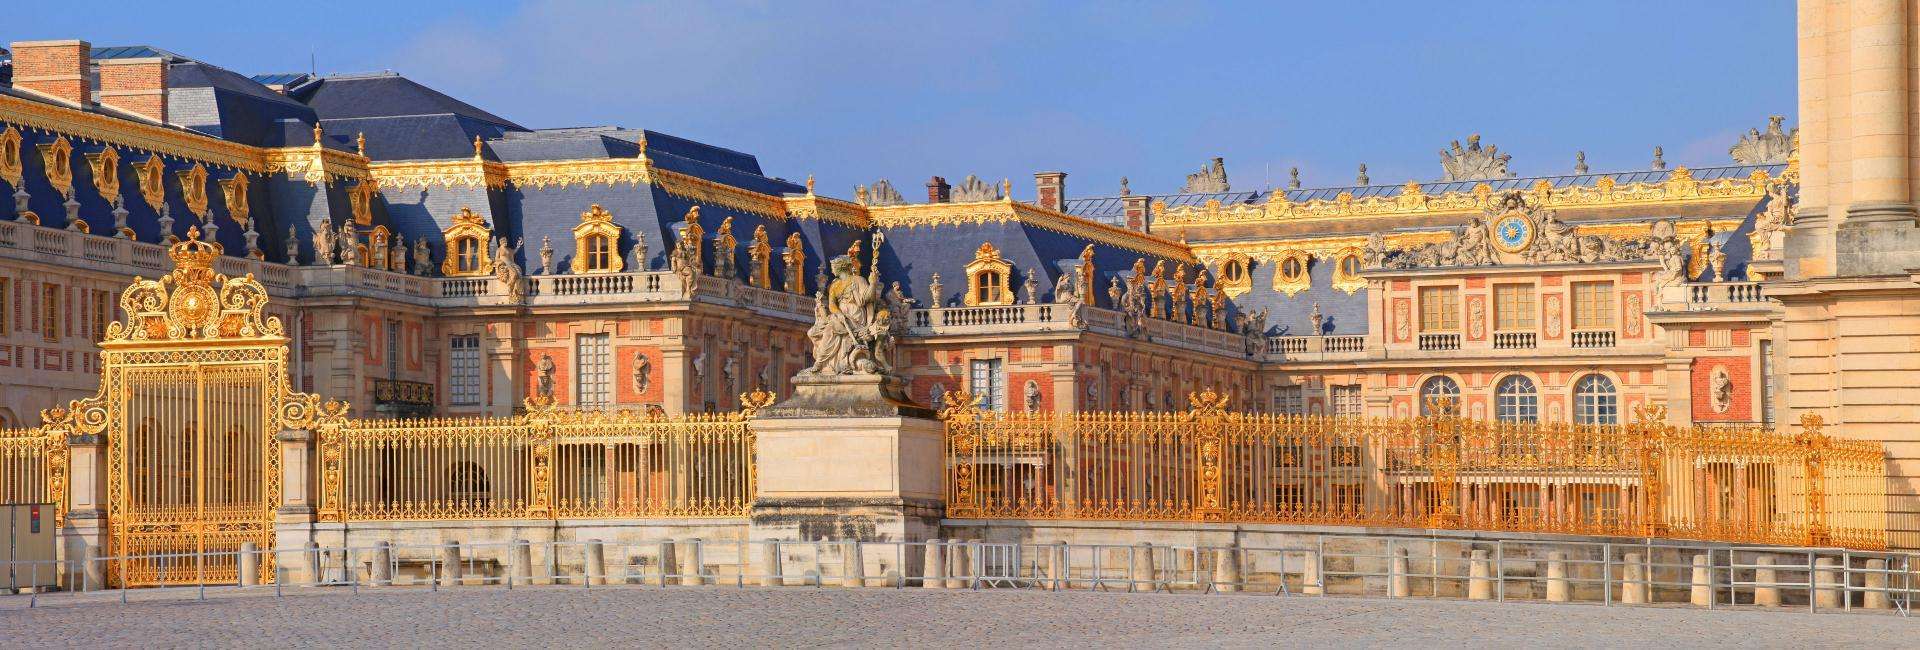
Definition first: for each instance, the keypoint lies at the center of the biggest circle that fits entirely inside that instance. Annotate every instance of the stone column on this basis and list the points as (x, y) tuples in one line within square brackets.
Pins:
[(522, 560), (853, 567), (1479, 575), (1878, 235), (669, 563), (382, 568), (693, 562), (770, 570), (1141, 570), (85, 534), (1397, 586), (933, 575), (450, 568), (1702, 579), (293, 523), (1558, 589), (248, 561), (1633, 576), (1226, 569), (959, 556), (1312, 576), (595, 563), (1826, 583), (1765, 596), (1875, 582)]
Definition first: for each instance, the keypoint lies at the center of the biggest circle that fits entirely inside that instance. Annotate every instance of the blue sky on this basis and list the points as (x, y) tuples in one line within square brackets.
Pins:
[(851, 92)]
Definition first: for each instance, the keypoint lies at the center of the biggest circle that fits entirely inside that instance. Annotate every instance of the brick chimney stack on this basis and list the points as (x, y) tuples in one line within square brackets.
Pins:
[(1134, 206), (1051, 190), (136, 86), (938, 191), (57, 69)]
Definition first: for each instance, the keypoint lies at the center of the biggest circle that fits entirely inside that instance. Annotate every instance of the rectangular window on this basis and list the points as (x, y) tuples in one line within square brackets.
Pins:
[(50, 311), (1439, 309), (1513, 307), (393, 349), (985, 382), (463, 371), (1766, 382), (102, 313), (1593, 305), (6, 306), (1287, 400), (1346, 400), (593, 371)]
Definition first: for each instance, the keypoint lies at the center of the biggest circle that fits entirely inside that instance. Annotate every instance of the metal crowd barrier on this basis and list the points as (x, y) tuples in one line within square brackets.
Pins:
[(1651, 572)]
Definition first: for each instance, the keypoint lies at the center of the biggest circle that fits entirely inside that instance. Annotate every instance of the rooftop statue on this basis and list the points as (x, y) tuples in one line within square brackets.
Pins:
[(1211, 179), (883, 193), (973, 189), (853, 322), (1771, 148), (1473, 163)]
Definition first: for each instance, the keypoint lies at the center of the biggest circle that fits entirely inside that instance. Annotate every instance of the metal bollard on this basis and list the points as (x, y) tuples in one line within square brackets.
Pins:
[(669, 562), (692, 563), (1876, 583), (382, 564), (1141, 565), (450, 569), (770, 557), (1558, 589), (249, 564), (596, 563), (1702, 579), (1226, 569), (1397, 582), (1826, 581), (1767, 595), (853, 568), (934, 569), (522, 560), (1633, 588)]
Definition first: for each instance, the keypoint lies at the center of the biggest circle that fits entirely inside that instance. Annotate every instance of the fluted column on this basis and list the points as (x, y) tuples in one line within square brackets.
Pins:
[(1879, 104)]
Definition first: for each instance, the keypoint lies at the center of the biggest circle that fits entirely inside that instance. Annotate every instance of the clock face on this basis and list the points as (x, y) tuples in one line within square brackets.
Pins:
[(1512, 232)]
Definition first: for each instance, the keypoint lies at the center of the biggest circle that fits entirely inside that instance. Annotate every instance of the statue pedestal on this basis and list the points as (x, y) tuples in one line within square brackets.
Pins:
[(848, 458)]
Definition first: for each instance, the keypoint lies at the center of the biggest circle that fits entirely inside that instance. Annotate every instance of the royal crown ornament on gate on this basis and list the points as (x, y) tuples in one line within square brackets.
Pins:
[(193, 302)]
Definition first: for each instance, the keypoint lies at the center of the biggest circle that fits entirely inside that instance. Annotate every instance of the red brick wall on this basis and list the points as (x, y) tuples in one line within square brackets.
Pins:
[(1740, 370), (561, 368), (135, 85), (55, 68), (623, 363)]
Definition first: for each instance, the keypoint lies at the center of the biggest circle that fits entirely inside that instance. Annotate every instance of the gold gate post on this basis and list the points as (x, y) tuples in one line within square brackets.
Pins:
[(540, 417), (1207, 410), (1813, 443), (1649, 431), (961, 413), (1444, 418)]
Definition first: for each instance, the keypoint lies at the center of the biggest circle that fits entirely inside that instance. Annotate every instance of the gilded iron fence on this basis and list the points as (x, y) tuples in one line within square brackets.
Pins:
[(545, 463), (1642, 479), (32, 468)]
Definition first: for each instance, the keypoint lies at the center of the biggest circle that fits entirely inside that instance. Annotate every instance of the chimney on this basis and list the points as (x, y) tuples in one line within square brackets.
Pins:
[(136, 86), (57, 69), (938, 191), (1134, 206), (1050, 188)]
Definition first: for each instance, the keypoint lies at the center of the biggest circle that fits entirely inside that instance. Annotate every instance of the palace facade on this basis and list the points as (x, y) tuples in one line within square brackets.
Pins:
[(432, 258)]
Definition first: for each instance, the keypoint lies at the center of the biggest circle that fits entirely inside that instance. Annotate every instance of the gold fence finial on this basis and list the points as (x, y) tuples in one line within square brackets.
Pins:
[(959, 404), (752, 402), (1207, 403)]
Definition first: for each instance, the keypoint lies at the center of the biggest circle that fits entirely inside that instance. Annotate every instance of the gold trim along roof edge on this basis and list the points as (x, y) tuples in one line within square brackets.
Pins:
[(913, 215), (94, 127), (1679, 188), (1325, 247)]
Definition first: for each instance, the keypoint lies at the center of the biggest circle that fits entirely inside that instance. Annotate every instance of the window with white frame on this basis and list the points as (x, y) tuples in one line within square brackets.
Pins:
[(1346, 400), (1442, 391), (1595, 402), (463, 370), (985, 381), (1287, 400), (593, 371), (1516, 401)]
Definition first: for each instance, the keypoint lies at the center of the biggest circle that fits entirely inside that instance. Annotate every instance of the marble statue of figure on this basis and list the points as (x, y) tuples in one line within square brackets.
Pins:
[(639, 254), (1317, 319), (1031, 287), (1474, 248), (323, 248), (935, 291), (642, 373), (1032, 396), (544, 387), (348, 247), (1473, 162), (852, 329), (730, 374), (397, 255), (422, 257), (1063, 289), (1722, 391), (546, 256), (1253, 330), (1374, 255)]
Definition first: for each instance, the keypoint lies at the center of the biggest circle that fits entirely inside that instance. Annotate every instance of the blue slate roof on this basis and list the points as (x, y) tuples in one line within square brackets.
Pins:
[(337, 97), (231, 106)]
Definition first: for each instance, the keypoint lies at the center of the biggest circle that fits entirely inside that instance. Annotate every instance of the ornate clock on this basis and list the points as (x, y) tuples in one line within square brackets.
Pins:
[(1512, 232)]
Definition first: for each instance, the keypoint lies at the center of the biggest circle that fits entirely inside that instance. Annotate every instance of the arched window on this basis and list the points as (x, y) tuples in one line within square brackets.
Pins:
[(1595, 401), (468, 254), (599, 253), (989, 278), (1516, 401), (596, 243), (1290, 275), (1442, 392), (467, 483)]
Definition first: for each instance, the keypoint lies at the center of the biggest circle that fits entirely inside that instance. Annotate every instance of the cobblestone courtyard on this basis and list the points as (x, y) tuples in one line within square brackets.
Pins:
[(726, 617)]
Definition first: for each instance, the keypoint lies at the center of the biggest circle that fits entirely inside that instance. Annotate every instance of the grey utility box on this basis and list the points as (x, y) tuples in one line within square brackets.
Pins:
[(26, 547)]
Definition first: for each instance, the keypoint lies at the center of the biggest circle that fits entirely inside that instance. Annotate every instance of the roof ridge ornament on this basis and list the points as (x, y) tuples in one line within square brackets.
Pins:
[(1473, 163), (1773, 147), (973, 190), (1211, 179), (1659, 159), (1579, 162)]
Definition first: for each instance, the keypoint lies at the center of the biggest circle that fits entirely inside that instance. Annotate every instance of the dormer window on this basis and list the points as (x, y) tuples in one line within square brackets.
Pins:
[(466, 245), (989, 278), (1290, 275), (596, 243)]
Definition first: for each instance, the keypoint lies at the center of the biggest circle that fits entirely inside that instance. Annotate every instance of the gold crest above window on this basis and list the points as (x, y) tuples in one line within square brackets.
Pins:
[(58, 157), (596, 243), (1346, 270), (989, 278), (152, 175), (10, 168), (106, 174), (360, 198), (234, 190), (466, 245), (193, 189), (1290, 272)]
